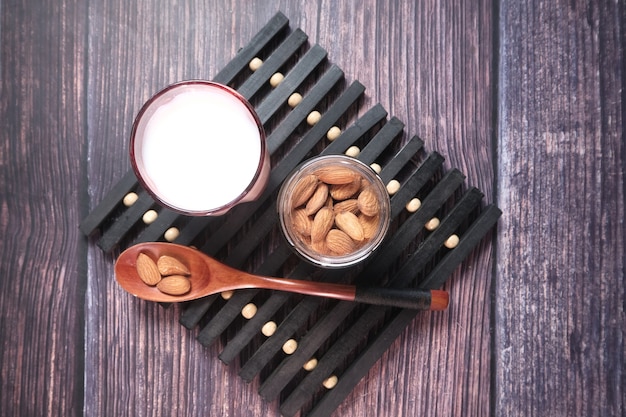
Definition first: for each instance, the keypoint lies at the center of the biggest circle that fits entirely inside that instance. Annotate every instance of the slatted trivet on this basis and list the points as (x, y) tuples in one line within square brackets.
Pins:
[(309, 352)]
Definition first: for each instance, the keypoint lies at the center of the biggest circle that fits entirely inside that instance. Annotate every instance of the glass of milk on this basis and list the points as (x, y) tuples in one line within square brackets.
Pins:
[(199, 148)]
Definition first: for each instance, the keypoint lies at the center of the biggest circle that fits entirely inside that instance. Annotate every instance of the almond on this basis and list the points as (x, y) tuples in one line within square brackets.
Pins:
[(174, 285), (302, 223), (336, 175), (322, 222), (351, 205), (303, 190), (369, 224), (318, 199), (306, 240), (321, 247), (349, 223), (339, 242), (147, 270), (368, 203), (171, 266), (345, 191)]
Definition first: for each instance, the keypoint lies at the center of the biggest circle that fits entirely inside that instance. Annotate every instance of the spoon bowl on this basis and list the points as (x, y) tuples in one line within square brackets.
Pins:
[(201, 277), (209, 276)]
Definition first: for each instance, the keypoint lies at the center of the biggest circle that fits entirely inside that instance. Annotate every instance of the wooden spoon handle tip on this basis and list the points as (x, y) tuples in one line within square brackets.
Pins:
[(439, 300)]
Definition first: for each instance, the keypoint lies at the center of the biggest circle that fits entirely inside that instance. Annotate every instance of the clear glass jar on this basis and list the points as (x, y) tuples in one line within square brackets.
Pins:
[(333, 250)]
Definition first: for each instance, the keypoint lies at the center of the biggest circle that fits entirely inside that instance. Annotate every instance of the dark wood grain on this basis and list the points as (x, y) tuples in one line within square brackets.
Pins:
[(42, 255), (559, 314), (525, 99)]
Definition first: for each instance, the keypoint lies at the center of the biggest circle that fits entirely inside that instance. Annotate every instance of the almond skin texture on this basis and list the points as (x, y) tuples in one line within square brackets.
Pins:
[(368, 203), (369, 225), (339, 242), (317, 200), (322, 222), (321, 247), (336, 175), (351, 205), (171, 266), (345, 191), (349, 223), (174, 285), (302, 223), (147, 270), (303, 190)]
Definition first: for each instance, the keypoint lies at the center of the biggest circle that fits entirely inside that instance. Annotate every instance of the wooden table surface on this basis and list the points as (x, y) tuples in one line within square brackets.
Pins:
[(526, 99)]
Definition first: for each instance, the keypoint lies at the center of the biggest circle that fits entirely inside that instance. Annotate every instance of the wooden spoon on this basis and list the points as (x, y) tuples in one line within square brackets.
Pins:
[(209, 276)]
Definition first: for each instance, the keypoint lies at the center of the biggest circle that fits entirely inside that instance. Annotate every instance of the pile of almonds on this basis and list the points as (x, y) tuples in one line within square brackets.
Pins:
[(168, 274), (334, 210)]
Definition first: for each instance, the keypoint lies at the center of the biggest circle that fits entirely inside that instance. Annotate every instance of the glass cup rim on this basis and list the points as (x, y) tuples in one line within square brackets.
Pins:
[(138, 170), (332, 262)]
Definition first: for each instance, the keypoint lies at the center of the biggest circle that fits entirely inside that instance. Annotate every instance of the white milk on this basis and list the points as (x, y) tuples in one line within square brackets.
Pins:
[(201, 149)]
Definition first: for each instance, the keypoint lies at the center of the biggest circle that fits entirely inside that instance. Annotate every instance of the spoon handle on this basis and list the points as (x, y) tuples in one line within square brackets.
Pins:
[(412, 298)]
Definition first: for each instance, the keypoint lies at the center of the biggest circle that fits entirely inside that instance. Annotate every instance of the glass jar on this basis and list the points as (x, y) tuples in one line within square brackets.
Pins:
[(334, 211)]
